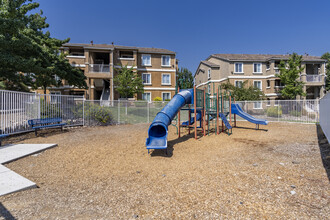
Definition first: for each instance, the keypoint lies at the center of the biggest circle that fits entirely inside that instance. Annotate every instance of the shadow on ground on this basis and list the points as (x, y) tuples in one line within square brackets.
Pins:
[(4, 213), (324, 149), (170, 146)]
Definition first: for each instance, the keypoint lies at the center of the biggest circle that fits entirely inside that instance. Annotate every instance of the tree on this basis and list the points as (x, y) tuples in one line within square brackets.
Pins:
[(289, 75), (326, 56), (128, 83), (244, 92), (185, 79), (26, 48)]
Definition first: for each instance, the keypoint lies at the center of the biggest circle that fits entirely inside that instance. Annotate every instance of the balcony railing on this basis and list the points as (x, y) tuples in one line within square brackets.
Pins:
[(99, 68), (313, 78)]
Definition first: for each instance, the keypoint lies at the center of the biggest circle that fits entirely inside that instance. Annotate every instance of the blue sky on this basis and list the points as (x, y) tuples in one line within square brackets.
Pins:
[(196, 29)]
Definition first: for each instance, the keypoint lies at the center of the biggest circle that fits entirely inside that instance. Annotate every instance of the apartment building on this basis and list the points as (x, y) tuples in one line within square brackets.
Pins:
[(100, 63), (260, 71)]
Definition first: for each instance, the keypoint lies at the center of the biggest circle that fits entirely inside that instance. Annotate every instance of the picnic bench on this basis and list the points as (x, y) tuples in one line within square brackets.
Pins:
[(41, 123), (3, 136)]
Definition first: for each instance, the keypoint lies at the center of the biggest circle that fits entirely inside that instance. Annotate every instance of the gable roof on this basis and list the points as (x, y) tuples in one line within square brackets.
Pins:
[(210, 64), (111, 47), (261, 57)]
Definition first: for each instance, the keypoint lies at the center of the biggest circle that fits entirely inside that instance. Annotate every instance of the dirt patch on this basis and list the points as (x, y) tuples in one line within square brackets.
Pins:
[(105, 172)]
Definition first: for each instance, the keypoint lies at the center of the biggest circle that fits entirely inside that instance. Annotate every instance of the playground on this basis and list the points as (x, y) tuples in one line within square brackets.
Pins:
[(105, 172)]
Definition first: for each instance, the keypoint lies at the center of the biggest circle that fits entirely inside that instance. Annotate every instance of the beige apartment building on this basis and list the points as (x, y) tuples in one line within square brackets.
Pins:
[(260, 71), (157, 67)]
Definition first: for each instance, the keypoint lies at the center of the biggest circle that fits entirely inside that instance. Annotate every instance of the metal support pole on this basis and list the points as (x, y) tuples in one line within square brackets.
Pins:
[(204, 124), (179, 122), (217, 106), (222, 112), (230, 108), (195, 110)]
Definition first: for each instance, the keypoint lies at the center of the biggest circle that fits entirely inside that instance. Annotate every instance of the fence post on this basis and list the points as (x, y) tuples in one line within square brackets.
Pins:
[(148, 111), (278, 110), (83, 111), (126, 107), (118, 103)]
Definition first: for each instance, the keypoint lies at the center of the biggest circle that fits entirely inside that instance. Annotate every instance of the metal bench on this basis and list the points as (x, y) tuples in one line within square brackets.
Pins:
[(3, 136), (38, 124)]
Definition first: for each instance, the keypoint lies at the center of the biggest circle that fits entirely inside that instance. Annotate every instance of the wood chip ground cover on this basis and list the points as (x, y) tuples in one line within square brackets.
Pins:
[(106, 173)]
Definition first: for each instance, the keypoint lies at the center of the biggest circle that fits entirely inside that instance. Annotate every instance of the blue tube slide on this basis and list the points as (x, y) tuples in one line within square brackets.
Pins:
[(158, 130), (236, 109)]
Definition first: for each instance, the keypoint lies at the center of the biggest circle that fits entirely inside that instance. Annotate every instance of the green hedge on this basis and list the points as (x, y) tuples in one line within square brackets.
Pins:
[(275, 111)]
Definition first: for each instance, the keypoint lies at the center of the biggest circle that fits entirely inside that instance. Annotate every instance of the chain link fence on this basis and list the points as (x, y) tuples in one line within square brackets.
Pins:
[(302, 111), (16, 108)]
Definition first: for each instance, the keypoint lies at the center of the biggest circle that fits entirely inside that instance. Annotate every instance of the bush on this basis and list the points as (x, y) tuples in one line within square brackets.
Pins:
[(295, 113), (157, 99), (100, 115), (275, 111)]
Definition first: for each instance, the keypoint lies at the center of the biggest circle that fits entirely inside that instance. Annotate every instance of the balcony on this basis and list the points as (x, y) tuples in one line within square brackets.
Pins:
[(99, 68), (313, 78)]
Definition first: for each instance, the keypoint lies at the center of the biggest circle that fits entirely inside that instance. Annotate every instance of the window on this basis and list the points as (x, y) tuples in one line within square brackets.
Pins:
[(146, 78), (257, 68), (268, 66), (268, 83), (209, 89), (257, 105), (55, 97), (238, 68), (239, 83), (268, 102), (209, 73), (166, 79), (146, 60), (276, 102), (257, 84), (126, 54), (166, 96), (166, 60), (146, 96), (278, 83)]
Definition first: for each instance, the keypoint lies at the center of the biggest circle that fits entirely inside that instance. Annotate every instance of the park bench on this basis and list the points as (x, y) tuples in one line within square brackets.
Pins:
[(3, 136), (38, 124)]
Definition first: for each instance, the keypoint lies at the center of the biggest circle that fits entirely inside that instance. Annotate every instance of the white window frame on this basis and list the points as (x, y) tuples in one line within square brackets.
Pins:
[(165, 93), (142, 64), (150, 78), (209, 89), (254, 105), (268, 102), (169, 79), (260, 67), (162, 60), (149, 96), (267, 87), (260, 84), (209, 73), (235, 70), (238, 81)]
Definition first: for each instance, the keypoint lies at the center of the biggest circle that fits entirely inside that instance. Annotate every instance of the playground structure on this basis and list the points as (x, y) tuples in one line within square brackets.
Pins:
[(205, 110)]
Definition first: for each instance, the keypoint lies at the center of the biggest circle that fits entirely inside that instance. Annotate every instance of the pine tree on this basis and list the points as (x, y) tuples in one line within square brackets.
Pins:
[(26, 48)]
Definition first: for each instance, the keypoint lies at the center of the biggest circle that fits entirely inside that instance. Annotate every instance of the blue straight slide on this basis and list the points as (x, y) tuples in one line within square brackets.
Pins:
[(236, 109), (158, 130)]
